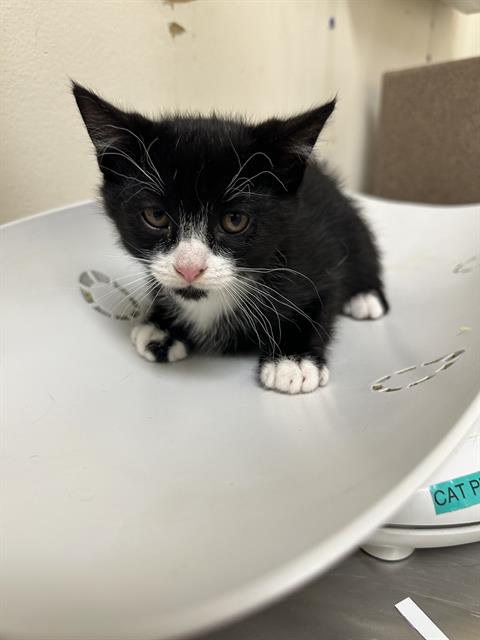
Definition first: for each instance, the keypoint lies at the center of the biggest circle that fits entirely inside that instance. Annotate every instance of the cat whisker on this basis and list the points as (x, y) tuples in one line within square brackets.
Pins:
[(146, 294), (148, 255), (114, 289), (242, 167), (282, 184), (239, 301), (261, 318), (147, 185), (270, 335), (285, 269), (146, 150), (152, 180), (129, 298), (228, 310), (136, 274), (268, 304), (152, 302), (250, 194), (150, 184), (135, 194), (276, 296)]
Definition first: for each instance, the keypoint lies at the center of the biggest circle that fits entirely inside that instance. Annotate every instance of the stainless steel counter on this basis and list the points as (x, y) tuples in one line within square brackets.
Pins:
[(355, 600)]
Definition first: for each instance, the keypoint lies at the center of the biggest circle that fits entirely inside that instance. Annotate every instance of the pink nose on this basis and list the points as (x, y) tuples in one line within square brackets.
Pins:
[(189, 272)]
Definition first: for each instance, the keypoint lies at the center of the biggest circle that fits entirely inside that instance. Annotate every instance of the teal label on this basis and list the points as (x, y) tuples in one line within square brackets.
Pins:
[(455, 494)]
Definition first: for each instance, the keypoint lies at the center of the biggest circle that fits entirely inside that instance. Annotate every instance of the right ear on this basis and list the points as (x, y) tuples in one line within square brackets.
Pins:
[(289, 142)]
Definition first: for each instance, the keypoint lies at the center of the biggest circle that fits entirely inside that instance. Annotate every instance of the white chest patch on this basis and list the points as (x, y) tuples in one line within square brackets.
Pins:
[(206, 315)]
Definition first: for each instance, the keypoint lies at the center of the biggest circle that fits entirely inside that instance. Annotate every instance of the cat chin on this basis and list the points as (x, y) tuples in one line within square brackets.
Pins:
[(190, 293)]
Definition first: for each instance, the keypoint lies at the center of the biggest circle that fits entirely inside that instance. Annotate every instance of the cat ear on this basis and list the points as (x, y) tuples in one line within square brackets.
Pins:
[(301, 132), (289, 142), (116, 134), (105, 123)]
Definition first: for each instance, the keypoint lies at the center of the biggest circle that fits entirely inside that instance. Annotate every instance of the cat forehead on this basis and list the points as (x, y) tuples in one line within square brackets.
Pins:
[(198, 158), (210, 128), (206, 138)]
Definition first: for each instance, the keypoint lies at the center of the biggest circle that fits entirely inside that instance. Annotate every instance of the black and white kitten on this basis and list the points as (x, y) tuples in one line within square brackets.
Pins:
[(246, 242)]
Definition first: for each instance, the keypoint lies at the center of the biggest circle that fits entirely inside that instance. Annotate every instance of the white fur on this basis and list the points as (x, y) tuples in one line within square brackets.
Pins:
[(178, 351), (218, 273), (364, 306), (205, 314), (292, 377), (218, 270), (267, 374), (191, 253), (143, 334)]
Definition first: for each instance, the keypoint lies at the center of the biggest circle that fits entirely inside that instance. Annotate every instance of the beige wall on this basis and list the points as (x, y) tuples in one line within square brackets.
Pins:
[(258, 57)]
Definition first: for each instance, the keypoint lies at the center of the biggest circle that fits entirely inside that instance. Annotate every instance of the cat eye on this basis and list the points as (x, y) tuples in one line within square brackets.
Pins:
[(156, 218), (235, 222)]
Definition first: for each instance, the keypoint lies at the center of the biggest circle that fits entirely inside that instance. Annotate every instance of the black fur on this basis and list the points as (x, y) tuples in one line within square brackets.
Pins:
[(309, 241), (191, 293)]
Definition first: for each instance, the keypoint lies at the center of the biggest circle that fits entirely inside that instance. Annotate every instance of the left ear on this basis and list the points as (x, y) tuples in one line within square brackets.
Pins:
[(104, 122), (289, 142), (116, 134)]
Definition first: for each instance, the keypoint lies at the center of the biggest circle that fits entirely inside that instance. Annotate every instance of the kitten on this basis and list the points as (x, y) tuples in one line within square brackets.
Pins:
[(246, 242)]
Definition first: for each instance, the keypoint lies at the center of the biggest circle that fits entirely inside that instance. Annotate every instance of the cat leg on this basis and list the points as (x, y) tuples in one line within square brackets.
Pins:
[(300, 366), (363, 296), (156, 341), (368, 305), (157, 345)]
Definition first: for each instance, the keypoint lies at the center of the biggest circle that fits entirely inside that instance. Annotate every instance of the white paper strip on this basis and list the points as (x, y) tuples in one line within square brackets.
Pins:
[(419, 620)]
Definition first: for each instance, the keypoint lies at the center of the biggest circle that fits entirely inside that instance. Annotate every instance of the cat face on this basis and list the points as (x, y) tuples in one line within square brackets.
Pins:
[(193, 210), (201, 202)]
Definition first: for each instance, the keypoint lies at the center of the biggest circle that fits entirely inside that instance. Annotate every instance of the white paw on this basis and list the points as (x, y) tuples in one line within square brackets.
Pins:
[(177, 351), (156, 345), (364, 306), (292, 377)]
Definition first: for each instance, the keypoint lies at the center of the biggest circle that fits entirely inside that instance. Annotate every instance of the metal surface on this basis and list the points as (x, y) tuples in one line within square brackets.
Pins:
[(355, 600)]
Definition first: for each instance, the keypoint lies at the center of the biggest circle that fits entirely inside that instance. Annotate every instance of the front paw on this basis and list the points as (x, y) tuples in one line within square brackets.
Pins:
[(293, 376), (365, 306), (156, 345)]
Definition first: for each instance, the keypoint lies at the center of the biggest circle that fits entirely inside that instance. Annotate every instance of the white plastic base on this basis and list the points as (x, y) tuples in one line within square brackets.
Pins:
[(186, 484), (419, 510), (397, 543), (390, 554)]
